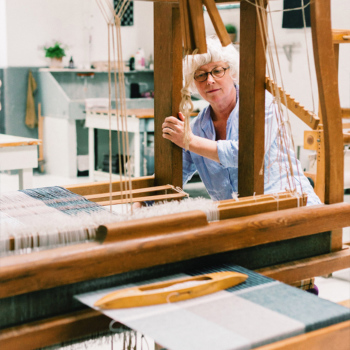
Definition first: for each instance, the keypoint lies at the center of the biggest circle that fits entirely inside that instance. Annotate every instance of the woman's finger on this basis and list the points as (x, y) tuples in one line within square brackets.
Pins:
[(181, 116)]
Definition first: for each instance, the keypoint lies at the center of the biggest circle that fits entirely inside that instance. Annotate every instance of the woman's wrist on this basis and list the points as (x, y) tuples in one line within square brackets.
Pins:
[(204, 147)]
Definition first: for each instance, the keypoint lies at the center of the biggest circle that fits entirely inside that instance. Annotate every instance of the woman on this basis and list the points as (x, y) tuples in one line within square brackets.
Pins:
[(213, 146)]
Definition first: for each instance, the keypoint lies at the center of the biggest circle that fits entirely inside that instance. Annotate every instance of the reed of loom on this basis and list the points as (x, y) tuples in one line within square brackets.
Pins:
[(138, 248)]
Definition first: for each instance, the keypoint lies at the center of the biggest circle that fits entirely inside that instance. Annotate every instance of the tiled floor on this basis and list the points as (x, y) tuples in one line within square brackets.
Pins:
[(335, 288)]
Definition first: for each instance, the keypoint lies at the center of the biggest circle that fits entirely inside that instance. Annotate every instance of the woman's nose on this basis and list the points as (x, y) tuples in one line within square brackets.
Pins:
[(210, 79)]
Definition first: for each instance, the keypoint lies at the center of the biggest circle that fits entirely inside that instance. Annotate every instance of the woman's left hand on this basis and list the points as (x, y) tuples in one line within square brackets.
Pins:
[(174, 130)]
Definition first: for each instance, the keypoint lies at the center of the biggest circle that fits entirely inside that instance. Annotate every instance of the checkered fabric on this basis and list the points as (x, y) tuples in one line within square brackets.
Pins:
[(128, 18)]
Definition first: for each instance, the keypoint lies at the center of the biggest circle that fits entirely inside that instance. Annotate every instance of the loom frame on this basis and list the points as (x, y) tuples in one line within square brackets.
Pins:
[(168, 170)]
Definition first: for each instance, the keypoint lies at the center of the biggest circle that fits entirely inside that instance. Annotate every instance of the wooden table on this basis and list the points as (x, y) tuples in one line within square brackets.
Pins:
[(19, 153)]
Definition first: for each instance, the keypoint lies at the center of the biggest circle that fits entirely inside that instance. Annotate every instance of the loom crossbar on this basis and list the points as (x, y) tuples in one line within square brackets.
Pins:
[(86, 261), (246, 209), (74, 325), (97, 197)]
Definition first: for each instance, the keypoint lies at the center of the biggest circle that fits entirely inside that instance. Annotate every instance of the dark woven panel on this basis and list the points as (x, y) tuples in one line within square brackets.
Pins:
[(63, 200), (294, 19), (128, 18)]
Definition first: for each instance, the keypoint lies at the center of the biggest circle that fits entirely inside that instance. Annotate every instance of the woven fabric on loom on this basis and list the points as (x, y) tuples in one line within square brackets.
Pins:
[(257, 312), (48, 216)]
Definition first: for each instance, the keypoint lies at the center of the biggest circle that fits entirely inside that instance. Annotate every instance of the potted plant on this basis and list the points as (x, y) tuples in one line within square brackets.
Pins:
[(232, 31), (55, 53)]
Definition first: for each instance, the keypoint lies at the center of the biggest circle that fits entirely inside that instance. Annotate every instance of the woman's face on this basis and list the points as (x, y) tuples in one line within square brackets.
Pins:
[(215, 90)]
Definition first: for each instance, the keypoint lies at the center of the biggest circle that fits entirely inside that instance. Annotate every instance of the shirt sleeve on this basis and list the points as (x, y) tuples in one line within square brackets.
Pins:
[(228, 153), (188, 167), (228, 149)]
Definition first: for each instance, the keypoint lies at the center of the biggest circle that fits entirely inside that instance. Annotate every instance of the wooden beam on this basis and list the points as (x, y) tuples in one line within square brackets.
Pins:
[(72, 326), (329, 99), (341, 36), (345, 113), (54, 330), (103, 187), (167, 87), (333, 337), (81, 262), (217, 22), (320, 166), (186, 27), (235, 211), (309, 267), (135, 192), (345, 303), (251, 103), (197, 24), (160, 197)]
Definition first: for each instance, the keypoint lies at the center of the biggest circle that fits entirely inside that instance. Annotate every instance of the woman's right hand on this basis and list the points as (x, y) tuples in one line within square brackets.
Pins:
[(174, 130)]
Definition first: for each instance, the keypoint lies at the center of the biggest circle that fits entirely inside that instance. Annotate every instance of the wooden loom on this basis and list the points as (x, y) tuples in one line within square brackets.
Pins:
[(190, 233), (314, 139)]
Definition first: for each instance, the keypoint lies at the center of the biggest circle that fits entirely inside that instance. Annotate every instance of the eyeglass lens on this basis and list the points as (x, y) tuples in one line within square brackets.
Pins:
[(217, 72)]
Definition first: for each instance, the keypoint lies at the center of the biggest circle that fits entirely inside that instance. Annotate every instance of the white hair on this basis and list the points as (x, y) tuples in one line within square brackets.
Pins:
[(215, 52)]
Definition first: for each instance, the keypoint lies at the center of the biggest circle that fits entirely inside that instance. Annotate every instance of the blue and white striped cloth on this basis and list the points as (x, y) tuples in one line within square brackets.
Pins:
[(257, 312)]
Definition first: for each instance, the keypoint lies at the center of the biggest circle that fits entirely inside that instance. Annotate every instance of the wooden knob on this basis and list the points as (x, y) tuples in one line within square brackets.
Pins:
[(310, 140)]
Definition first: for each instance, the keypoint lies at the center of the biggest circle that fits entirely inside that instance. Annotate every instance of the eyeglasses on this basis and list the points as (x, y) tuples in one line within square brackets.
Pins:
[(216, 73)]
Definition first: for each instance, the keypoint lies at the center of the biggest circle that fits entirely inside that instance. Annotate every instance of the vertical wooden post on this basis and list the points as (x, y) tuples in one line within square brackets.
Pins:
[(167, 87), (327, 81), (251, 103), (320, 165)]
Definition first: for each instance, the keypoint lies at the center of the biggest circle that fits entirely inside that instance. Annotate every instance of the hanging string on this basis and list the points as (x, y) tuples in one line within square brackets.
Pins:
[(109, 119), (186, 104), (284, 129), (113, 18), (307, 54), (126, 151), (117, 114), (262, 21)]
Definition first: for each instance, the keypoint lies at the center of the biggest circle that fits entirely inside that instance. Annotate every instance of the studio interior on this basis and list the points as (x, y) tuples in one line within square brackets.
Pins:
[(175, 174)]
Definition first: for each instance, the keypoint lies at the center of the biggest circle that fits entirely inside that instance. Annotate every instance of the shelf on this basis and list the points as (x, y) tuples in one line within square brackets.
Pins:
[(77, 70)]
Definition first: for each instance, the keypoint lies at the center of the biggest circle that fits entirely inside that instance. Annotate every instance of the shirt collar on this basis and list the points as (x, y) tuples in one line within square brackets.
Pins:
[(207, 124)]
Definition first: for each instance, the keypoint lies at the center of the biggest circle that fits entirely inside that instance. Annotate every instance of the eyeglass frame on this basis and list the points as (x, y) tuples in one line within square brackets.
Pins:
[(211, 73)]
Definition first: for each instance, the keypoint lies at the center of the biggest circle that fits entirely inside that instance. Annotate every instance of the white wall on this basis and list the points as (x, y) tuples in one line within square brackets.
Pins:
[(296, 73), (36, 23), (3, 39), (29, 25)]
